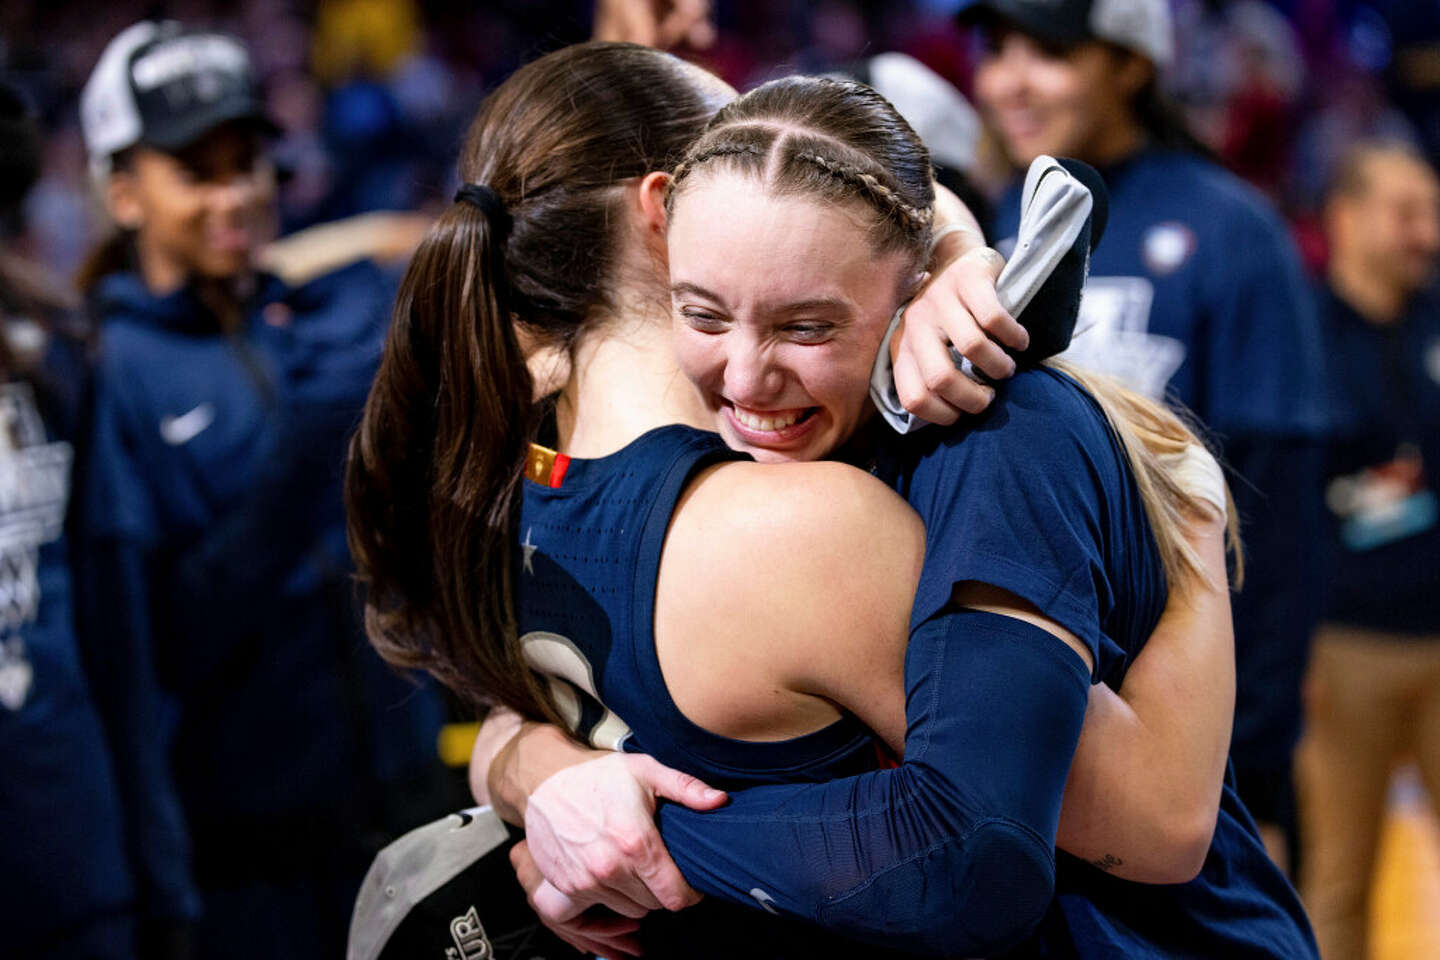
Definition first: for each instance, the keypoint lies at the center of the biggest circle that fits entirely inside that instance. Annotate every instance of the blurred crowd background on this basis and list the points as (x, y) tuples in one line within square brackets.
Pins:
[(371, 99), (373, 95)]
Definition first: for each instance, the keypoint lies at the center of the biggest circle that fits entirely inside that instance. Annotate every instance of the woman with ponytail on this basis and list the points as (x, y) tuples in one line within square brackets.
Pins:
[(739, 621)]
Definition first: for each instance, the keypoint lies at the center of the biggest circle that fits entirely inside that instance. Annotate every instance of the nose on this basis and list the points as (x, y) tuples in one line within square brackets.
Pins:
[(1002, 73), (234, 194), (752, 378)]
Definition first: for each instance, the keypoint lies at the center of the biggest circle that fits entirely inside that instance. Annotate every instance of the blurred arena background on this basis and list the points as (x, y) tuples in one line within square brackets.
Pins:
[(372, 97)]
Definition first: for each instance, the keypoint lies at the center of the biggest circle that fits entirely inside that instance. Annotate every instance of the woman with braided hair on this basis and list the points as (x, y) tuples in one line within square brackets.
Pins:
[(624, 570)]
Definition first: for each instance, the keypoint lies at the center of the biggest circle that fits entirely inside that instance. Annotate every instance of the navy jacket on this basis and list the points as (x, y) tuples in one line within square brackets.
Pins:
[(249, 713)]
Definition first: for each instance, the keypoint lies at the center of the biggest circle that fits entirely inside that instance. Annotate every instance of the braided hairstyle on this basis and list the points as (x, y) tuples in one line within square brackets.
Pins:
[(834, 140)]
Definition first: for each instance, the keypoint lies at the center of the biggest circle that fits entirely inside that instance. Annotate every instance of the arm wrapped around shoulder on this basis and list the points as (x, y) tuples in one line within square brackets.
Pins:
[(952, 852)]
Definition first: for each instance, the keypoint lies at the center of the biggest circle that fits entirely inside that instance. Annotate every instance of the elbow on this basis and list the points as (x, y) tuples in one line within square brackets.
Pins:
[(1180, 845), (973, 896), (1188, 842)]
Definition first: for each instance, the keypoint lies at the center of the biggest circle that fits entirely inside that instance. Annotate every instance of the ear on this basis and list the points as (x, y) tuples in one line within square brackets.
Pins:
[(653, 188), (122, 200)]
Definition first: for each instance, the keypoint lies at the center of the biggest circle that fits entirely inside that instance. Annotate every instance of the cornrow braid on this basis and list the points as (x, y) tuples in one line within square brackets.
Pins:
[(882, 196), (711, 153)]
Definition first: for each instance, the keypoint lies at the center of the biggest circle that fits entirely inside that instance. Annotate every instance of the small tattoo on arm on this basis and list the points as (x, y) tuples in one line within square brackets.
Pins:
[(1107, 863)]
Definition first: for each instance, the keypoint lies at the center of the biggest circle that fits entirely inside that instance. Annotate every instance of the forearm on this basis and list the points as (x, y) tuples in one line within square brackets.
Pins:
[(976, 801), (1144, 791), (512, 757)]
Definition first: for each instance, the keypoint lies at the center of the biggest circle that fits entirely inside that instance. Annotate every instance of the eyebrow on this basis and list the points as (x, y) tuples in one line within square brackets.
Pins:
[(793, 306)]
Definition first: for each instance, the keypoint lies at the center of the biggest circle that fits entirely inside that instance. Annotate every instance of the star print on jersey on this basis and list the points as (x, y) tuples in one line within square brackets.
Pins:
[(529, 550), (1112, 336)]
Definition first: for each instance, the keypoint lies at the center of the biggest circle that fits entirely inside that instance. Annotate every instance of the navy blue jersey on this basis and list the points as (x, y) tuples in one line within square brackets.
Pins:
[(1036, 497), (1383, 468), (1197, 295), (236, 681), (587, 558), (589, 555), (64, 847)]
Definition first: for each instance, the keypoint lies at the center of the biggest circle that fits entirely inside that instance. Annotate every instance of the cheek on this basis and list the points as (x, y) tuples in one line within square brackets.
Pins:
[(699, 356), (836, 376)]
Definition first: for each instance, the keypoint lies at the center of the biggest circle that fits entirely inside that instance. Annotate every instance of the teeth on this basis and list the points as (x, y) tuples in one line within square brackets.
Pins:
[(758, 422)]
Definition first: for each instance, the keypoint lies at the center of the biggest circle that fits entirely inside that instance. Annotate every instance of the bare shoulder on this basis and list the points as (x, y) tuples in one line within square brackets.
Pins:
[(795, 504), (793, 581)]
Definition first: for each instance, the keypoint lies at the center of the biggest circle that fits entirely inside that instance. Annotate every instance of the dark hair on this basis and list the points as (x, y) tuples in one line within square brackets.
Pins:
[(1164, 122), (114, 252), (19, 156), (834, 139), (432, 486)]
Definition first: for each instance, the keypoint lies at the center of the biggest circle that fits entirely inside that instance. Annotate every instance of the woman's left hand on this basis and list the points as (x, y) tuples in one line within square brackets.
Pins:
[(607, 935), (958, 308)]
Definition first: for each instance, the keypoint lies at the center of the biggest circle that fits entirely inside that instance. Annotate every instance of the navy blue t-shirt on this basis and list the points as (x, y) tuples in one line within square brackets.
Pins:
[(1036, 496), (1383, 469), (1197, 295), (64, 848)]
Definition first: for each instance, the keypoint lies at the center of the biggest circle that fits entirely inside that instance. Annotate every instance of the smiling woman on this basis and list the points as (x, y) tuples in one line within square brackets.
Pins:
[(779, 366)]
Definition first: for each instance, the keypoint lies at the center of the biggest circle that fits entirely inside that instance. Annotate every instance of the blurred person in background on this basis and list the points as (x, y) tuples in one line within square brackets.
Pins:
[(264, 751), (1373, 691), (69, 892), (1196, 295)]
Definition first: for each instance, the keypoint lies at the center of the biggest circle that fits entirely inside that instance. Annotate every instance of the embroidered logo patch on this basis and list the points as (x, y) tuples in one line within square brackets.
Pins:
[(470, 940)]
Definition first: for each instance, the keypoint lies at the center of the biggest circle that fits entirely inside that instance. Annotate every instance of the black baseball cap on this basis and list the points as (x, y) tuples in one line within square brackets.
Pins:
[(447, 891), (1143, 26), (160, 85)]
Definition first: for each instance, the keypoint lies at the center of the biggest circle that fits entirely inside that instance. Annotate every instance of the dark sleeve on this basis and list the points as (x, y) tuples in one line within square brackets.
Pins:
[(1279, 497), (1263, 363), (952, 853), (293, 512), (118, 530), (1029, 500), (138, 719)]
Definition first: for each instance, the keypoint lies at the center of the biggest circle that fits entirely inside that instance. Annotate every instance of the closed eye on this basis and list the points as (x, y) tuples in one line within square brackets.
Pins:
[(810, 332), (703, 320)]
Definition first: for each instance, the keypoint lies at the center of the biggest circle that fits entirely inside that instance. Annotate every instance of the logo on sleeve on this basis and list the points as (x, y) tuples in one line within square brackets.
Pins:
[(178, 431), (1166, 247)]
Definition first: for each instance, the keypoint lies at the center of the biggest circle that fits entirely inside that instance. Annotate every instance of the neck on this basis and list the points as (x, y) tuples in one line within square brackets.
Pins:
[(1116, 144), (1377, 302), (624, 383), (224, 296)]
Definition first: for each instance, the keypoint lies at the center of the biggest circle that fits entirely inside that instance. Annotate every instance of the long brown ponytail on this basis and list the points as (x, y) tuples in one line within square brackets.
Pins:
[(432, 486)]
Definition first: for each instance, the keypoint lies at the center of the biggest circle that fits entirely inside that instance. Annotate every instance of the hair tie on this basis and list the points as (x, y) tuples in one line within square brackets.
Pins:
[(484, 196)]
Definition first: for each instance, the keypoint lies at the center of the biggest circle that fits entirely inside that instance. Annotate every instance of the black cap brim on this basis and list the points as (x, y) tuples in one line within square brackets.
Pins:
[(1064, 24), (191, 126)]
